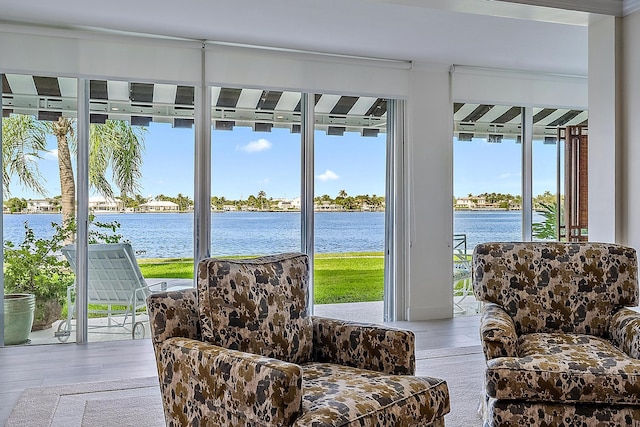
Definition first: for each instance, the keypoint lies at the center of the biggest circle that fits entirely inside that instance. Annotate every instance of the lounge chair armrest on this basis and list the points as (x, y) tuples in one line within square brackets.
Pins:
[(624, 331), (157, 286), (173, 314), (363, 345), (254, 389), (497, 332)]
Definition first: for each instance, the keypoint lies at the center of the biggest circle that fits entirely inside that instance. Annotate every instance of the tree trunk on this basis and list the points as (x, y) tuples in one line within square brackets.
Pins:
[(62, 128)]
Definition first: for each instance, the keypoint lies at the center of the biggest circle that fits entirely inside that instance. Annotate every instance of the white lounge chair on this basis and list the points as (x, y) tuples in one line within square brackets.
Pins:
[(461, 273), (115, 281)]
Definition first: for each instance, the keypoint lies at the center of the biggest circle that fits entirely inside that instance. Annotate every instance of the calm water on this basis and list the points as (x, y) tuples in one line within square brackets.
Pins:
[(247, 233), (490, 226)]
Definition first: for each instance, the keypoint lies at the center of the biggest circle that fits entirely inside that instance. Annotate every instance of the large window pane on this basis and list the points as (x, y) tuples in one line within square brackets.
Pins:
[(255, 172), (38, 123), (548, 170), (350, 161), (487, 198), (141, 197)]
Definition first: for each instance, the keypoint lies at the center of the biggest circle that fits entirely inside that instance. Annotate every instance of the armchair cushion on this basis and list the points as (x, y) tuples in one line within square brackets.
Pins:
[(565, 368), (257, 305), (343, 396)]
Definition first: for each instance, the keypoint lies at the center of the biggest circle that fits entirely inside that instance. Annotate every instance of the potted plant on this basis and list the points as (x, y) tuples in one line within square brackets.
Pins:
[(36, 267), (18, 317)]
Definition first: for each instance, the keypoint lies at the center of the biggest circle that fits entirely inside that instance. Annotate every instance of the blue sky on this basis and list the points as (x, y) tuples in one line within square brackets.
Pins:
[(246, 162), (481, 167)]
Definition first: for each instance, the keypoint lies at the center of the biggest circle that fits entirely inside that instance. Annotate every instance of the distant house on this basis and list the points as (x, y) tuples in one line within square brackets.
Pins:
[(465, 203), (102, 204), (288, 204), (40, 206), (284, 205), (475, 202), (328, 206), (159, 206)]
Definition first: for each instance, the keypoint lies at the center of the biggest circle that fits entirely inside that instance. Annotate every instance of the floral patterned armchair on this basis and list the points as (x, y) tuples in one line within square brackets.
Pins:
[(560, 346), (242, 351)]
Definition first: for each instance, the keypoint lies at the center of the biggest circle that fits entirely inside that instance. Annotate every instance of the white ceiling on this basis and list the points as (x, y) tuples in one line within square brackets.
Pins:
[(464, 32)]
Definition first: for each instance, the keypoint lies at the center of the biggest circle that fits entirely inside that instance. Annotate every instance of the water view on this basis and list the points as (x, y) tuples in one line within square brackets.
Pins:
[(168, 235)]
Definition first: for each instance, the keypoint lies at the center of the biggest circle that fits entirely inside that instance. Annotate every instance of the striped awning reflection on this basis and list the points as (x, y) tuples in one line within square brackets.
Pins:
[(47, 98), (495, 122)]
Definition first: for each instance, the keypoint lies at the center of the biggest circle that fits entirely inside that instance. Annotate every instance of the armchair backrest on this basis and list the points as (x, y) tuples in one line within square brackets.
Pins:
[(557, 286), (257, 305)]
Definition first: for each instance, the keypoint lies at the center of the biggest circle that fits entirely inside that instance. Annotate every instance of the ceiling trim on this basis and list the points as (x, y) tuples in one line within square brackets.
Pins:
[(630, 6), (529, 10), (604, 7)]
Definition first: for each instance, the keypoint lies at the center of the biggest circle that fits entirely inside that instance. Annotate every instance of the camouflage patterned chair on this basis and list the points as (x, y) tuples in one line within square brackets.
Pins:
[(242, 351), (560, 347)]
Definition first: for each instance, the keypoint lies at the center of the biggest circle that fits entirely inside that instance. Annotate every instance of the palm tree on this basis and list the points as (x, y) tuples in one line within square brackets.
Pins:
[(547, 229), (261, 196), (24, 139), (115, 145), (62, 129)]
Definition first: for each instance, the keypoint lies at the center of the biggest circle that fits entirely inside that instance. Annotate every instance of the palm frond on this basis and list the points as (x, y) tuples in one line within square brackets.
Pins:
[(23, 142)]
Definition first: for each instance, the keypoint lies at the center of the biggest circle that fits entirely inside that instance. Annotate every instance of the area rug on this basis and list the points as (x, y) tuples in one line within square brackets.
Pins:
[(136, 402), (129, 402)]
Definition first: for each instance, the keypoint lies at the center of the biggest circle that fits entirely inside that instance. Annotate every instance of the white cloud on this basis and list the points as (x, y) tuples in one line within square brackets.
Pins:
[(52, 154), (504, 176), (329, 175), (256, 146)]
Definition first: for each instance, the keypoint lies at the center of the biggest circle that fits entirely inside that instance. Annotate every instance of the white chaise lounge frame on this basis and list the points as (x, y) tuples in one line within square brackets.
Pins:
[(114, 280)]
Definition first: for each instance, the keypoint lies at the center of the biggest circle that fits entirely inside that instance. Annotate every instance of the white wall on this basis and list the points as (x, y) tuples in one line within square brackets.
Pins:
[(630, 183), (605, 136), (430, 169)]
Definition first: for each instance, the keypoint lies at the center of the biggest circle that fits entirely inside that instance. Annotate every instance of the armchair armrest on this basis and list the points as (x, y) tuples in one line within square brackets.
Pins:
[(363, 345), (624, 331), (498, 332), (254, 390), (173, 314)]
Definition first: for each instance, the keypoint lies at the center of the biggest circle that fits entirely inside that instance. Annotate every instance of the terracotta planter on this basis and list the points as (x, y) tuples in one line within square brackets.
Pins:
[(47, 311), (18, 317)]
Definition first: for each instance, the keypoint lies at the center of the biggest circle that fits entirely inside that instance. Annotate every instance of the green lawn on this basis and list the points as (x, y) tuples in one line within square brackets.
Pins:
[(344, 277), (167, 268)]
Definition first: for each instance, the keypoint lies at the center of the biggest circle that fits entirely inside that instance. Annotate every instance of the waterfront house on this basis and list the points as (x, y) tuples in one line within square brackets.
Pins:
[(40, 206), (159, 206), (102, 204), (283, 204), (467, 202), (327, 206)]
